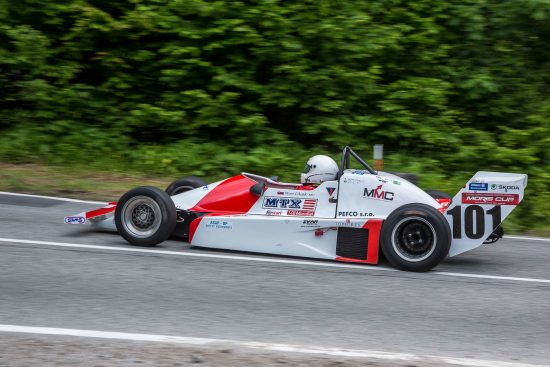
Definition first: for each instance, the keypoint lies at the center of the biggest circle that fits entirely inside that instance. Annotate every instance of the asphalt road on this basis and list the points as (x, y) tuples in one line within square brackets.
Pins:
[(457, 311)]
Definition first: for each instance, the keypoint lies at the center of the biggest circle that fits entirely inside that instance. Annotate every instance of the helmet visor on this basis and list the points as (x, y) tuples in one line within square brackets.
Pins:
[(307, 168)]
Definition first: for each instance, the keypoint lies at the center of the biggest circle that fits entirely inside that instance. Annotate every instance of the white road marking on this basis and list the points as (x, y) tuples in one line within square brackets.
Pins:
[(194, 254), (272, 347), (523, 238), (54, 198), (266, 259), (486, 276)]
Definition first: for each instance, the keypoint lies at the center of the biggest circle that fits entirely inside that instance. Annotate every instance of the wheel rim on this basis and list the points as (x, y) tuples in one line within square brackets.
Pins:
[(414, 239), (179, 190), (141, 216)]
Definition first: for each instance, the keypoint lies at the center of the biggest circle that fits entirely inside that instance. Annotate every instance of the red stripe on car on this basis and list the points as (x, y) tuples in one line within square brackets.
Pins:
[(101, 211), (193, 227), (232, 196), (374, 226)]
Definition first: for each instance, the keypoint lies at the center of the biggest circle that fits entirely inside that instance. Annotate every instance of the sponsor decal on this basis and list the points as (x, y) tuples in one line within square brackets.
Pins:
[(300, 193), (505, 187), (300, 213), (355, 214), (331, 190), (219, 224), (310, 223), (490, 198), (273, 202), (205, 187), (386, 180), (378, 194), (359, 172), (348, 214), (349, 223), (274, 212), (352, 181), (478, 186), (75, 220)]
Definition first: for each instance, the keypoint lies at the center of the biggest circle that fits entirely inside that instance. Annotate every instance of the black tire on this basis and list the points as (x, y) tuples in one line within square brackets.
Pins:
[(145, 216), (184, 184), (415, 237), (438, 194)]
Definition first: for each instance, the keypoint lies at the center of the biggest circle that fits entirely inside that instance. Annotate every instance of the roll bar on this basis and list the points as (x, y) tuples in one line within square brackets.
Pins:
[(344, 164)]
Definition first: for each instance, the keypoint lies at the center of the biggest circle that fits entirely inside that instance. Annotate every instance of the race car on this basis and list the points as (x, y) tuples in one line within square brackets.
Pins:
[(335, 212)]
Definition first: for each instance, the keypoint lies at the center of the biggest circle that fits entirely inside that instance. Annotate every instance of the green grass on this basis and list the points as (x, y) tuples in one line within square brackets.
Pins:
[(72, 182)]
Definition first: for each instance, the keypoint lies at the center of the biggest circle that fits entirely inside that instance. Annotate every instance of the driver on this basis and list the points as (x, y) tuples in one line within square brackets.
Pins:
[(319, 168)]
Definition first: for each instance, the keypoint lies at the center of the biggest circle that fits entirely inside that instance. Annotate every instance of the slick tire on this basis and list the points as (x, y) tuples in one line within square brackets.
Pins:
[(145, 216), (184, 184), (415, 237), (438, 194)]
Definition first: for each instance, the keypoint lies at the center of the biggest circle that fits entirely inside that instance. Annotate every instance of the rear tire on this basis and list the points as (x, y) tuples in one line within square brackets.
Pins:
[(184, 184), (415, 237), (145, 216), (436, 194)]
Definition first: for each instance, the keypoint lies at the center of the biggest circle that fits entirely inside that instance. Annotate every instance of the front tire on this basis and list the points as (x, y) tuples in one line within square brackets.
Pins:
[(415, 237), (145, 216)]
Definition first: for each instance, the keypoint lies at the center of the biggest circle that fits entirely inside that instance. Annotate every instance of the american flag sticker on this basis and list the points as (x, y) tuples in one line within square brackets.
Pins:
[(309, 204)]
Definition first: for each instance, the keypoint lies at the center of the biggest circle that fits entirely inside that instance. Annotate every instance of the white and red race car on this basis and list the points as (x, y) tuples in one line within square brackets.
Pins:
[(349, 219)]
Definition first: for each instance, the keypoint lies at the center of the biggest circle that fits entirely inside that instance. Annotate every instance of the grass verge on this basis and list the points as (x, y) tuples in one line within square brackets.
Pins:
[(77, 183)]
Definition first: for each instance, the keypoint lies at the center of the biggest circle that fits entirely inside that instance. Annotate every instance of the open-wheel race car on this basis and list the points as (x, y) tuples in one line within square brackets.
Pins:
[(335, 213)]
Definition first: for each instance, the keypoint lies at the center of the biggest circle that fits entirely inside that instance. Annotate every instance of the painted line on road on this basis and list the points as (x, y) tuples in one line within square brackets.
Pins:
[(54, 198), (271, 347), (267, 260), (194, 254), (486, 276), (523, 238)]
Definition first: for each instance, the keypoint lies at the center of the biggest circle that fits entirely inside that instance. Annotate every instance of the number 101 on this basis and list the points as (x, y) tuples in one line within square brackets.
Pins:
[(471, 231)]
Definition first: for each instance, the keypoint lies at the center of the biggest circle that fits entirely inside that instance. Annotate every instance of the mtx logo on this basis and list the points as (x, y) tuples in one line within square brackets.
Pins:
[(273, 202), (378, 194)]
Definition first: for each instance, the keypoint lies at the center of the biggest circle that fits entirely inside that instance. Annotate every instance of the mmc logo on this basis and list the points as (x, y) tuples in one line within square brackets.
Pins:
[(271, 202), (378, 193)]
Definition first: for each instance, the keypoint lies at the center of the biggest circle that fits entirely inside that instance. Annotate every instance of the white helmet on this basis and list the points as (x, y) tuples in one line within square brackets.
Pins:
[(319, 168)]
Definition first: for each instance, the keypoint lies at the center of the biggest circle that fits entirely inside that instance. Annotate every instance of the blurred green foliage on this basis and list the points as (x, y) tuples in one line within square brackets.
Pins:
[(216, 87)]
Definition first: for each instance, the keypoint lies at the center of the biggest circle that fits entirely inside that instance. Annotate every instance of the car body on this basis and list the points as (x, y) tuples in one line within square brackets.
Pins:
[(349, 219)]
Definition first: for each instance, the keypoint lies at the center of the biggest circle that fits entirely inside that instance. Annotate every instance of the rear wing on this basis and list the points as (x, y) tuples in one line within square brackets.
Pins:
[(481, 206)]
